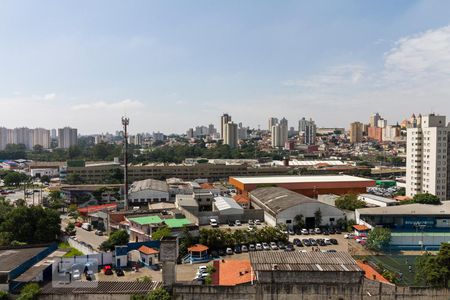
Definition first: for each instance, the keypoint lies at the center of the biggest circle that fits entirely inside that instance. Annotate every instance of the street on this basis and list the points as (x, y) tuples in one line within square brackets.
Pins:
[(88, 237)]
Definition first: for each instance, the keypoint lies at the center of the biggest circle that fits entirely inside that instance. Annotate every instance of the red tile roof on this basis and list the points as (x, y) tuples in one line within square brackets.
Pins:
[(371, 273), (148, 250), (241, 199), (197, 248), (402, 198), (95, 208), (207, 186), (232, 272), (361, 227)]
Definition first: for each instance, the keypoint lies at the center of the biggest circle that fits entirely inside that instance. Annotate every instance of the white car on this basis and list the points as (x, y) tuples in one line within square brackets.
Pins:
[(349, 235), (258, 247), (273, 246), (257, 222), (250, 222), (317, 230), (229, 251), (201, 276), (237, 223), (202, 269), (265, 246), (305, 231), (76, 274), (244, 248), (213, 223), (327, 241)]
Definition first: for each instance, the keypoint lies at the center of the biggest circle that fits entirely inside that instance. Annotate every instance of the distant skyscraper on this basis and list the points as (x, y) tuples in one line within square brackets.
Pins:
[(302, 125), (3, 137), (279, 134), (374, 120), (224, 120), (41, 137), (356, 132), (158, 136), (53, 134), (309, 136), (242, 132), (190, 133), (427, 149), (231, 134), (272, 121), (67, 137)]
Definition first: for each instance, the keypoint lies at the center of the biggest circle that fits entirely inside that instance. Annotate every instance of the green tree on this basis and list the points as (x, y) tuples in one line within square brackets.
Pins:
[(156, 294), (318, 217), (70, 228), (38, 148), (426, 199), (299, 221), (435, 270), (117, 238), (378, 238), (161, 232), (4, 295), (15, 179), (72, 211), (146, 278), (349, 202), (30, 292), (74, 179)]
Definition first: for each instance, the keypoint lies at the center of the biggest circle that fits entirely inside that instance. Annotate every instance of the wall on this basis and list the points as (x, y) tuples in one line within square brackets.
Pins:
[(82, 247), (308, 210)]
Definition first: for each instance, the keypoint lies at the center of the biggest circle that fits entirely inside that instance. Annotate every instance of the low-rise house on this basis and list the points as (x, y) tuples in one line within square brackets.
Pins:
[(149, 256), (147, 191)]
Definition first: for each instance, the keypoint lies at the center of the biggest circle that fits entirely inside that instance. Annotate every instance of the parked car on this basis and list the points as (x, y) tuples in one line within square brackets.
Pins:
[(107, 270), (244, 248), (281, 245), (98, 232), (258, 247), (311, 231), (334, 241), (265, 246), (331, 250), (313, 242), (291, 231), (320, 242), (328, 241), (317, 230), (213, 223), (306, 242), (78, 224), (222, 252), (273, 246), (89, 275), (332, 231), (86, 226), (201, 277), (289, 247), (229, 251), (230, 223), (305, 231), (237, 249), (257, 222), (298, 243), (119, 272), (237, 223), (76, 274), (251, 228), (338, 231), (349, 235), (325, 232), (251, 247), (202, 269), (250, 222)]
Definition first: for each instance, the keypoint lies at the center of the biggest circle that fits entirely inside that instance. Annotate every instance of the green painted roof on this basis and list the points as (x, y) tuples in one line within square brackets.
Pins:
[(176, 223), (147, 220)]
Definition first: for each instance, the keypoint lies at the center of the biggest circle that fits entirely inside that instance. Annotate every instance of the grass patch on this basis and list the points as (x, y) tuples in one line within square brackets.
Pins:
[(72, 251)]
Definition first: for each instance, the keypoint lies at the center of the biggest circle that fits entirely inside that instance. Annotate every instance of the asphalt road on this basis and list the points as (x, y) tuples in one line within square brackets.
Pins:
[(89, 237), (31, 200)]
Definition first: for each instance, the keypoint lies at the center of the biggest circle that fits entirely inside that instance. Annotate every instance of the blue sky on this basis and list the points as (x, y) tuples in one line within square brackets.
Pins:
[(171, 65)]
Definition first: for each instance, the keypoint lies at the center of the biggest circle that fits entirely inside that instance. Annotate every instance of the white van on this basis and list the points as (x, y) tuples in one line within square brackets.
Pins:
[(86, 226)]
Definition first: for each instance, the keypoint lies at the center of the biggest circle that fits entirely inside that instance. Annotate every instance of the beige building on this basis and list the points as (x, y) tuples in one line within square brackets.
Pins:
[(356, 132), (230, 134)]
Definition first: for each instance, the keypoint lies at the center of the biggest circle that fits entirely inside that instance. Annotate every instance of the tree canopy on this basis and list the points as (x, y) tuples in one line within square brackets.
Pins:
[(426, 199), (349, 202), (435, 269), (117, 238), (378, 238)]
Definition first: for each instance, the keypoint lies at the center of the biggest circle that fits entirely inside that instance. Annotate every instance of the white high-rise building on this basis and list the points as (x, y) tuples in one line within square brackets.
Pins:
[(309, 137), (272, 121), (427, 157), (41, 137), (302, 125), (67, 137), (373, 121), (3, 138), (231, 134), (224, 119)]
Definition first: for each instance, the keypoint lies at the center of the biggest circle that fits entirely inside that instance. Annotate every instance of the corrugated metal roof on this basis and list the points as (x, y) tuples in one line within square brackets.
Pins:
[(223, 203), (299, 261)]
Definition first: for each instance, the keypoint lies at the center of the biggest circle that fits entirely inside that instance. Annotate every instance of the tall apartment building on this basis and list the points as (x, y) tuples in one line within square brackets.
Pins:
[(41, 137), (231, 134), (427, 157), (309, 136), (279, 134), (272, 121), (3, 138), (224, 119), (302, 125), (67, 137), (373, 121), (356, 132)]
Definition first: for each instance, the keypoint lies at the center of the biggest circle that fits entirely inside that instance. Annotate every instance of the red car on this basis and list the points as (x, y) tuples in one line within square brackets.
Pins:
[(107, 270), (78, 224)]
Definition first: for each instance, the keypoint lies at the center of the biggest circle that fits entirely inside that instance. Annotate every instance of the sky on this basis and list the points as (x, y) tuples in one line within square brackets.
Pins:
[(172, 65)]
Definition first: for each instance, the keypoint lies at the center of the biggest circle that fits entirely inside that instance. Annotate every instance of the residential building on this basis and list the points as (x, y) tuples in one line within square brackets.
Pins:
[(373, 121), (224, 119), (427, 160), (309, 134), (272, 121), (356, 132), (280, 133), (67, 137), (230, 134), (41, 137), (3, 138)]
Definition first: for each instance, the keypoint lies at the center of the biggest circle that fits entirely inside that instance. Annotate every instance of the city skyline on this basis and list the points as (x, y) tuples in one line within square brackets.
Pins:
[(67, 64)]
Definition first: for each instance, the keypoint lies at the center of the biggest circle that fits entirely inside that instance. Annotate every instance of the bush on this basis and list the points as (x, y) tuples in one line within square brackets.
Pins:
[(3, 295), (29, 292), (378, 238)]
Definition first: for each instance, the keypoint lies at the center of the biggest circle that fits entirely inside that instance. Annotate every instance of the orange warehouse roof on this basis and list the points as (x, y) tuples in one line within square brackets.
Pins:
[(148, 250), (361, 227), (241, 199), (198, 248), (371, 273), (207, 186), (232, 272)]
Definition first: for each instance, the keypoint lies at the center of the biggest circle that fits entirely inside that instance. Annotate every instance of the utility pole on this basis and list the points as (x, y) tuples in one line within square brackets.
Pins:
[(125, 122)]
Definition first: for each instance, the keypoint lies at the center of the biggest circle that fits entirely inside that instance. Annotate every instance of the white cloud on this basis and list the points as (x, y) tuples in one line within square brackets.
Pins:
[(124, 104)]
